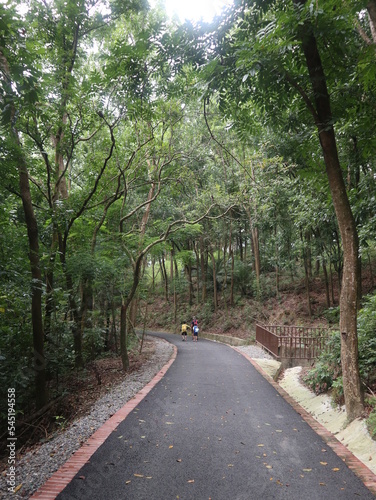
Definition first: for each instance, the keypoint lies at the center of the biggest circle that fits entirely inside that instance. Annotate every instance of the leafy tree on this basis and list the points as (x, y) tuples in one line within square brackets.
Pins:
[(273, 54)]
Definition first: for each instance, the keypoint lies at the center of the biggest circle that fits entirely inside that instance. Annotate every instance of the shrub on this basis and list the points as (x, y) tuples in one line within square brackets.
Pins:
[(327, 372), (367, 340), (320, 378), (327, 367), (371, 423), (337, 391), (332, 315)]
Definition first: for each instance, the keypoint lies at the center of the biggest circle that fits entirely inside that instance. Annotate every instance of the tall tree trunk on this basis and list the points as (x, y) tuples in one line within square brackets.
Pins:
[(132, 316), (371, 8), (190, 284), (308, 253), (153, 273), (165, 277), (327, 295), (203, 270), (370, 268), (75, 310), (86, 307), (173, 284), (349, 290), (215, 297), (331, 284), (276, 262), (317, 267), (338, 264), (113, 325), (256, 253), (133, 307), (50, 302), (198, 278), (255, 249), (39, 360), (173, 279), (224, 282), (245, 252), (231, 256), (36, 282), (163, 271), (240, 238), (123, 337), (124, 308), (232, 278), (306, 259), (106, 323)]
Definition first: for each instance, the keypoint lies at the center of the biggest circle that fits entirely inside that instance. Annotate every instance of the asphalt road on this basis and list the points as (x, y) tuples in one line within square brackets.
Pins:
[(214, 428)]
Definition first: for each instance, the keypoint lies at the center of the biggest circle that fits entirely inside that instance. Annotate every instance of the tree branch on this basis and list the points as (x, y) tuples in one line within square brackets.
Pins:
[(216, 140), (305, 97), (92, 192)]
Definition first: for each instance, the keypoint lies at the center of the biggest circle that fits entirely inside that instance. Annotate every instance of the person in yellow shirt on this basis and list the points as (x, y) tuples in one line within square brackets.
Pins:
[(184, 329)]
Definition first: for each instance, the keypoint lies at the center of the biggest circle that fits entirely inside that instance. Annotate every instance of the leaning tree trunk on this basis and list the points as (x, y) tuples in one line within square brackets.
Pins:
[(349, 290), (39, 361)]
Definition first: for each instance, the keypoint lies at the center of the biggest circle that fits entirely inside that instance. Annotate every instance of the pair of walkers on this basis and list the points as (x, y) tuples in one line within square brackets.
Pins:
[(194, 328)]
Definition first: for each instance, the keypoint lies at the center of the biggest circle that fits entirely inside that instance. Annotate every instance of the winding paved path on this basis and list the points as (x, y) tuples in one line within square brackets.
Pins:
[(213, 428)]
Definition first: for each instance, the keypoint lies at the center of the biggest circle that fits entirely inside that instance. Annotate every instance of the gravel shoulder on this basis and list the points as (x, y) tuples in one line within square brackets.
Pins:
[(36, 466)]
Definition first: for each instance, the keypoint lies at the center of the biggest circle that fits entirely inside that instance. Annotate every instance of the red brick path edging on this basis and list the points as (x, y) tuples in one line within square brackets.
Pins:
[(356, 465), (63, 476)]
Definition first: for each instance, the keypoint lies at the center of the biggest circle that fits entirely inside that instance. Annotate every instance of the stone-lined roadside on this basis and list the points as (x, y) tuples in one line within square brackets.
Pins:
[(35, 467)]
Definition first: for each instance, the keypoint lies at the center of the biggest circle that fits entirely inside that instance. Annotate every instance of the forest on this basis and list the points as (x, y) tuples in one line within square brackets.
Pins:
[(153, 169)]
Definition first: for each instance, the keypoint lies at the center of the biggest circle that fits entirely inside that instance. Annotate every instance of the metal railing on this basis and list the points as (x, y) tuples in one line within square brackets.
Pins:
[(292, 342)]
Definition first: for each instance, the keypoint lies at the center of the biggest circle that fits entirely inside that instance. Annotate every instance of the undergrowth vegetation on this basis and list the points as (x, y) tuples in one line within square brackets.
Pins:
[(326, 374)]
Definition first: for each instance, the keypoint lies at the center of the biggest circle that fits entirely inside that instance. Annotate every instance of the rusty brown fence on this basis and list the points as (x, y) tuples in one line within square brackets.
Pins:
[(292, 342)]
